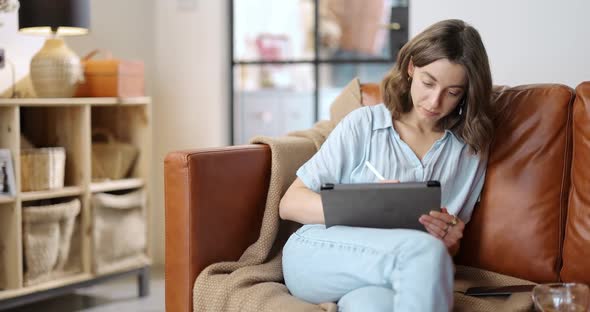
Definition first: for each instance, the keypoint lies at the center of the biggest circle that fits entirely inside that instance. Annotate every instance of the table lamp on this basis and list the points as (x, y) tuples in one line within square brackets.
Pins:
[(55, 70)]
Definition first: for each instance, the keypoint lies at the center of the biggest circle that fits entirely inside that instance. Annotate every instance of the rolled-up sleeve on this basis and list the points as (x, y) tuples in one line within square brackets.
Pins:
[(339, 154), (474, 190)]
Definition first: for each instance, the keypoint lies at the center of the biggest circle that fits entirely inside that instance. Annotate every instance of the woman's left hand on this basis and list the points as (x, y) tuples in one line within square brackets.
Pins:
[(445, 226)]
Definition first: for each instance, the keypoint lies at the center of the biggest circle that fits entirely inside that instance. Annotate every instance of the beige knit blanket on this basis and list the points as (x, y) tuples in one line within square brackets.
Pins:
[(255, 282)]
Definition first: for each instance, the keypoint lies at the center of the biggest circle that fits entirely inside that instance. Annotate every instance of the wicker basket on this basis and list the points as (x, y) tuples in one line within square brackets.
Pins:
[(47, 237), (42, 168), (111, 159), (119, 231)]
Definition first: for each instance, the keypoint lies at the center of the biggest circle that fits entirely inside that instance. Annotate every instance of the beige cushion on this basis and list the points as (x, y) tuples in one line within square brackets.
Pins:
[(347, 101)]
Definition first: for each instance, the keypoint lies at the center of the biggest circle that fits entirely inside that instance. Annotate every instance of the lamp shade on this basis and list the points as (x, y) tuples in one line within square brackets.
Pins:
[(59, 17)]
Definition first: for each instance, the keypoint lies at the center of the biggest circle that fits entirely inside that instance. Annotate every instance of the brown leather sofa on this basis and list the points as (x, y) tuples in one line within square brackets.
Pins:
[(533, 221)]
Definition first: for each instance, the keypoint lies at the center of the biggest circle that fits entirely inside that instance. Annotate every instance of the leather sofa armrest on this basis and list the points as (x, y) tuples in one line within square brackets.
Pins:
[(215, 200)]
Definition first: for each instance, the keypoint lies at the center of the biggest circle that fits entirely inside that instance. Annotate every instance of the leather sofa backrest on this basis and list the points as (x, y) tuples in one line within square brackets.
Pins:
[(519, 225), (371, 94), (576, 248)]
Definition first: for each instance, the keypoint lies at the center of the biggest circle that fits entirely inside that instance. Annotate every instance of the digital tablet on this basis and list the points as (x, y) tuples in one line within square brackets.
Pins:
[(380, 205)]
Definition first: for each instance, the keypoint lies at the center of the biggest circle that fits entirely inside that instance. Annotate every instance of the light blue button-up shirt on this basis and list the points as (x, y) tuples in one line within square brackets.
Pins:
[(367, 133)]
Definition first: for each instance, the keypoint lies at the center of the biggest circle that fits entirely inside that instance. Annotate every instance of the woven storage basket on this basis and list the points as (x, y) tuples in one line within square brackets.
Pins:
[(47, 236), (119, 230), (42, 168), (111, 159)]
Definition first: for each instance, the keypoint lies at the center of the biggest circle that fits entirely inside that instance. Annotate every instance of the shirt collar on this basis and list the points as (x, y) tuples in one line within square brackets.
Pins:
[(381, 117), (382, 120)]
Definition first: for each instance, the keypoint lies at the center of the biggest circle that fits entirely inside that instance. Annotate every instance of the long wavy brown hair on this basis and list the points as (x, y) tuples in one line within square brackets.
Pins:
[(460, 43)]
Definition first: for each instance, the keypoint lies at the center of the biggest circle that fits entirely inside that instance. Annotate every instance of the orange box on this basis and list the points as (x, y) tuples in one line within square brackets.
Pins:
[(111, 77)]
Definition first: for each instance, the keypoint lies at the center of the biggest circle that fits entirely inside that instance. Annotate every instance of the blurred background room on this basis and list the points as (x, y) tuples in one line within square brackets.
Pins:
[(217, 73)]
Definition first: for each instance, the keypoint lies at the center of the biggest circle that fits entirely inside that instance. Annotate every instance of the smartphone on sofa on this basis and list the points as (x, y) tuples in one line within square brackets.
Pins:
[(498, 290)]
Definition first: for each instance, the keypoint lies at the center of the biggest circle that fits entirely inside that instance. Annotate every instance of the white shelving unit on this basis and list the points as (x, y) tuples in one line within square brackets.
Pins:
[(68, 123)]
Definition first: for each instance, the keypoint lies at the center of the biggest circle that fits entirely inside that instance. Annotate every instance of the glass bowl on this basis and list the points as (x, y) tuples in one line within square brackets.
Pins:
[(562, 297)]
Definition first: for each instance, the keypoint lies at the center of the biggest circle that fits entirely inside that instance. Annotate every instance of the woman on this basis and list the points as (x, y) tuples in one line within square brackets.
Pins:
[(435, 124)]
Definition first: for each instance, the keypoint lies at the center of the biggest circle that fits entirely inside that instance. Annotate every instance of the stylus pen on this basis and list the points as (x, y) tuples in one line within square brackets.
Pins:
[(368, 164)]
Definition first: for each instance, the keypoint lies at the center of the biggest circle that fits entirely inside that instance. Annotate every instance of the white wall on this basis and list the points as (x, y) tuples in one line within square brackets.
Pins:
[(19, 49), (192, 75), (528, 41)]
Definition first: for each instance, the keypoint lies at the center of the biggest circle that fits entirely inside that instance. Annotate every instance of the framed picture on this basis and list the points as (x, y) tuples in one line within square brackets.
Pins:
[(7, 182)]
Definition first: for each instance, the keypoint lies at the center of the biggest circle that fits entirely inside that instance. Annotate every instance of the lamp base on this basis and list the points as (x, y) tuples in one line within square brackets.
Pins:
[(55, 70)]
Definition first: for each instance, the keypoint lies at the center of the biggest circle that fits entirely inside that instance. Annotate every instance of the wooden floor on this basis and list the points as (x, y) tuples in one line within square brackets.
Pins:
[(112, 296)]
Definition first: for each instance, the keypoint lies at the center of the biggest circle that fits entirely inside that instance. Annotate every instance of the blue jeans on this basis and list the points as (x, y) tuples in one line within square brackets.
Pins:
[(366, 269)]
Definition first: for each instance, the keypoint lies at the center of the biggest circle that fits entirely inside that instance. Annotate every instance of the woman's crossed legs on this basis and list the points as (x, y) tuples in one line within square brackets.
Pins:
[(366, 269)]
